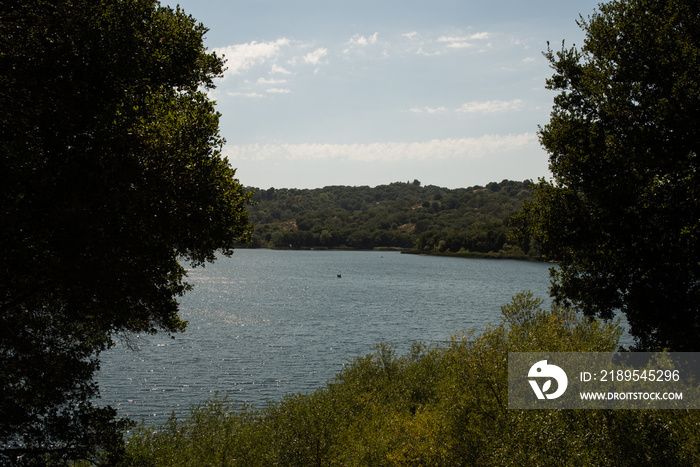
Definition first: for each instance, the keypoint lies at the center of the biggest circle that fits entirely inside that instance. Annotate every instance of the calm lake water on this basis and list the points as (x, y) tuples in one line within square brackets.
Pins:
[(266, 323)]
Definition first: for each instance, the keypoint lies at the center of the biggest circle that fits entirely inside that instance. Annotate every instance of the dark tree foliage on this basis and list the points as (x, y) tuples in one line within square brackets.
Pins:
[(404, 215), (110, 178), (622, 215)]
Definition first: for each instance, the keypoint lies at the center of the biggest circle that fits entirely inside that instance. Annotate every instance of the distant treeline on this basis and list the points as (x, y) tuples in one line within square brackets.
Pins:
[(428, 219)]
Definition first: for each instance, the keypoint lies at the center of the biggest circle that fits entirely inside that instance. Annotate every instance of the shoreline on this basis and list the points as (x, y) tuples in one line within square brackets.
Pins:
[(412, 251)]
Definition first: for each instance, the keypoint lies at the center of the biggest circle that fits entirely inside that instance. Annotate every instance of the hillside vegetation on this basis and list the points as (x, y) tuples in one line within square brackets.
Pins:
[(398, 215)]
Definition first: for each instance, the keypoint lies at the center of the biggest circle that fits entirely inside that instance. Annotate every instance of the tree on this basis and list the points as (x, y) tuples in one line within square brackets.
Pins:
[(111, 181), (622, 213)]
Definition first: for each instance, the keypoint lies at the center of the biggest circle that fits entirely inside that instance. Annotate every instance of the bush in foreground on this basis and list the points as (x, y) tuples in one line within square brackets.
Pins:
[(434, 406)]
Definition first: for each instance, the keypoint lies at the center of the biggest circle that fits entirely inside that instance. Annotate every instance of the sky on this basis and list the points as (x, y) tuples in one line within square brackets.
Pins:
[(447, 92)]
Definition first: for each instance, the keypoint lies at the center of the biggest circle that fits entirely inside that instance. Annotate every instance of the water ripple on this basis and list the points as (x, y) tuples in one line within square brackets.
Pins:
[(265, 323)]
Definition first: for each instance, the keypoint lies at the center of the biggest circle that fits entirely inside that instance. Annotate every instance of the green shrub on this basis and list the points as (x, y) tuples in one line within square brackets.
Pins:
[(443, 405)]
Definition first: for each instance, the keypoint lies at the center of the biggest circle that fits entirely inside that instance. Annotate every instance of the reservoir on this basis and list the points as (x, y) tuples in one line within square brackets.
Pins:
[(267, 323)]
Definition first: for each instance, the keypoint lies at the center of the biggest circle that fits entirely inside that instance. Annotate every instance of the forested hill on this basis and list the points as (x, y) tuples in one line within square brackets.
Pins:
[(403, 215)]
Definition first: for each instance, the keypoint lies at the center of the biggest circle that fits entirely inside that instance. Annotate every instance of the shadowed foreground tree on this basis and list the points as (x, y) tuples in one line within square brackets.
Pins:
[(110, 178), (622, 214)]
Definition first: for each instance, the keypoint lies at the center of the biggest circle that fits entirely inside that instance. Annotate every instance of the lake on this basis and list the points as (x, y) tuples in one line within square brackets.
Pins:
[(266, 323)]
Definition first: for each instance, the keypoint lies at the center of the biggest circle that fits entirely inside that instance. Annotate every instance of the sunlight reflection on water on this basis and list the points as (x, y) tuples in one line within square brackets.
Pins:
[(263, 323)]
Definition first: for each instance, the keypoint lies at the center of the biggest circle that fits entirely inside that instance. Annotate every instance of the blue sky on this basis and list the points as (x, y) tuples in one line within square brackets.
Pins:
[(324, 93)]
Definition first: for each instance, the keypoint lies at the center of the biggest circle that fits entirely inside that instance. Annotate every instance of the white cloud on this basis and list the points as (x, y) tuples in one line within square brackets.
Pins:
[(471, 37), (410, 35), (420, 51), (360, 41), (241, 57), (494, 106), (245, 94), (461, 42), (480, 35), (357, 39), (430, 110), (435, 110), (278, 91), (386, 152), (278, 69), (315, 56), (459, 45), (271, 81)]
